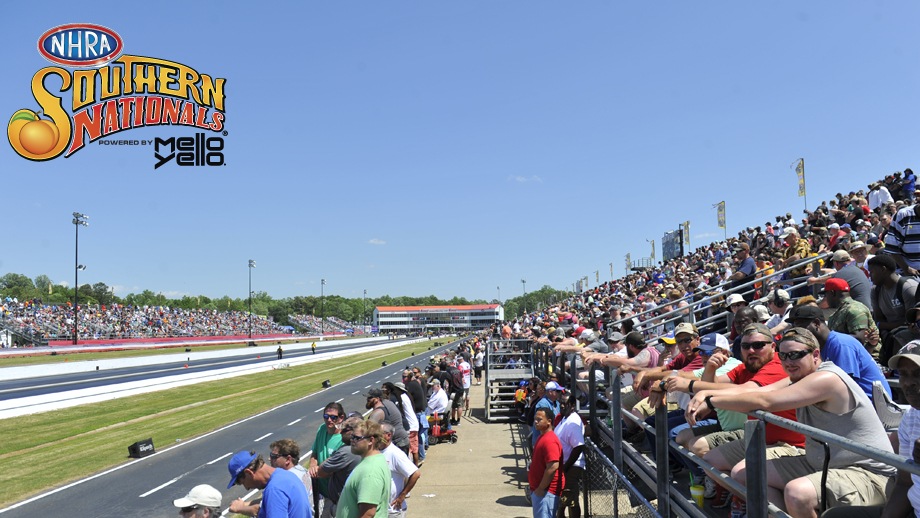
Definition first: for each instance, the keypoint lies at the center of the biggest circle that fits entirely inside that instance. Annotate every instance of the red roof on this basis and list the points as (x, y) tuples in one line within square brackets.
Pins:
[(472, 307)]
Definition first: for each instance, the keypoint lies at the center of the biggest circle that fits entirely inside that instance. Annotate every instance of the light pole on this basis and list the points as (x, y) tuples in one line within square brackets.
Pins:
[(499, 288), (78, 221), (252, 264), (322, 307), (364, 313), (524, 303)]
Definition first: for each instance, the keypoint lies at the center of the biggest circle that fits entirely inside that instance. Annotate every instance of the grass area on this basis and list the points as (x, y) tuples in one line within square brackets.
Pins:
[(80, 439), (45, 357)]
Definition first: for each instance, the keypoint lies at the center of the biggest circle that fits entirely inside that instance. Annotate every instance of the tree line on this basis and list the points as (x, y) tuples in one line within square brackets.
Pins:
[(43, 291)]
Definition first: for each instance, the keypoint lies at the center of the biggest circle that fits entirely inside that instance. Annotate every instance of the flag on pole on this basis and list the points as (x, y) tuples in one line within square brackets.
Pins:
[(628, 264), (653, 250), (687, 235), (800, 172), (611, 271), (720, 214), (597, 276)]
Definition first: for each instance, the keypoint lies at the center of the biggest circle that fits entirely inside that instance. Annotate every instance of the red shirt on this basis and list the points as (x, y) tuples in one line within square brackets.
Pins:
[(548, 449), (768, 375), (680, 363)]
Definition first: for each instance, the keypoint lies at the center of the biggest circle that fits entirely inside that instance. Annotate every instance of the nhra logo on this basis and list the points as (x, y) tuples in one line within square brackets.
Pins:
[(108, 92)]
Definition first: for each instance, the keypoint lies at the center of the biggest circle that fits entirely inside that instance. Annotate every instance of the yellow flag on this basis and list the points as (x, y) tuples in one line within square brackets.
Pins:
[(800, 172)]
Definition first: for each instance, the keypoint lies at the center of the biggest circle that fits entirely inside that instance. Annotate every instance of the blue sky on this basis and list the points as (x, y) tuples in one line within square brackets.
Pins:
[(414, 148)]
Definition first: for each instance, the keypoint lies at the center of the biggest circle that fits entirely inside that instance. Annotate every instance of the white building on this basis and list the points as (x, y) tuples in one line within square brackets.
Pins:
[(422, 319)]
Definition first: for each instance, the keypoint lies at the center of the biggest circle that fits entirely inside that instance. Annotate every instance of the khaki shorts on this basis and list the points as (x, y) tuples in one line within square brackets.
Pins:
[(733, 452), (648, 411), (716, 439), (845, 486)]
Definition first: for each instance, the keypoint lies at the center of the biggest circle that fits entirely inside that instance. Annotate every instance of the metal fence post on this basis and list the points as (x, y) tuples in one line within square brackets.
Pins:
[(661, 459), (756, 468)]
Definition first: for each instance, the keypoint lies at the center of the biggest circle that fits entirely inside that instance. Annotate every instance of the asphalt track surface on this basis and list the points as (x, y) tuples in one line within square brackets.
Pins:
[(17, 388), (148, 486)]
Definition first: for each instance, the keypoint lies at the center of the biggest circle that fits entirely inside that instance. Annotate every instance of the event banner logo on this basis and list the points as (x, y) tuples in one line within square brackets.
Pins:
[(95, 92)]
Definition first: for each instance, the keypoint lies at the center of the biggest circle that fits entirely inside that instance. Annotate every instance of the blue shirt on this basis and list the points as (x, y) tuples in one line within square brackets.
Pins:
[(284, 497), (852, 357)]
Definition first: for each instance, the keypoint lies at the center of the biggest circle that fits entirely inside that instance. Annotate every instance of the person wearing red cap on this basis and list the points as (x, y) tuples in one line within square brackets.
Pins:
[(851, 316)]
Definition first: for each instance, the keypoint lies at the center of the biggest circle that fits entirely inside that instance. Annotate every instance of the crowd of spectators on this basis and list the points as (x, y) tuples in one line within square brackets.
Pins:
[(332, 325), (126, 321), (842, 305)]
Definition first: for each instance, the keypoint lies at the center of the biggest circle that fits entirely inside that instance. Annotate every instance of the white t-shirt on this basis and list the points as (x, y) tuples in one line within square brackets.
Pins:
[(908, 432), (466, 371), (571, 433), (409, 412), (401, 468)]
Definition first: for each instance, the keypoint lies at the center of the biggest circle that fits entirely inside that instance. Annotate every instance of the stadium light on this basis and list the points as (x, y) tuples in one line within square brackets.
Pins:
[(79, 220), (252, 264), (364, 314), (524, 302)]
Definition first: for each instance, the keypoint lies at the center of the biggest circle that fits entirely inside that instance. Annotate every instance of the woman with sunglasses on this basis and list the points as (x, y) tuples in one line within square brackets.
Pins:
[(827, 398)]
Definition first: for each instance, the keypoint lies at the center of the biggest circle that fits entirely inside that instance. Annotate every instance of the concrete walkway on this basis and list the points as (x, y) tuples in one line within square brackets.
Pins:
[(483, 474)]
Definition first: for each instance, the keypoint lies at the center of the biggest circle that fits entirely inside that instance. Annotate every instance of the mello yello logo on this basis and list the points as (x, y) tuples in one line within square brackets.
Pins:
[(117, 92)]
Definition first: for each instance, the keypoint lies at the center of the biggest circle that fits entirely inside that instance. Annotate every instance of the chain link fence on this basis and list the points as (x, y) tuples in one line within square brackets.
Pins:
[(609, 492)]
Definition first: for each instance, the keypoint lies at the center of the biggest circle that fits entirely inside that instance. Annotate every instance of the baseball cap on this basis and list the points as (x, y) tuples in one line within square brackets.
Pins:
[(203, 495), (634, 339), (857, 245), (710, 342), (806, 312), (377, 393), (668, 338), (552, 385), (686, 327), (615, 336), (742, 246), (579, 330), (835, 284), (587, 335), (789, 231), (910, 351), (841, 256), (400, 385), (237, 464)]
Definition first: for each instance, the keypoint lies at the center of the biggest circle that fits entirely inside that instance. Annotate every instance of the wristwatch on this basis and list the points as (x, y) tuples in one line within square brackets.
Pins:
[(708, 400)]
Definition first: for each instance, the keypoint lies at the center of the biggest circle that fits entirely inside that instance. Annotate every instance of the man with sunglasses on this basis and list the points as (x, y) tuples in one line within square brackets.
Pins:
[(687, 338), (336, 469), (367, 491), (844, 350), (824, 397), (328, 440), (283, 494), (285, 454), (202, 501)]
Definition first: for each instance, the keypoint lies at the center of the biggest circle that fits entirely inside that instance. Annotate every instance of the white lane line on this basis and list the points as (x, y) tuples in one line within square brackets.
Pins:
[(218, 459), (355, 392), (339, 400), (295, 421), (165, 450), (379, 381), (154, 490), (264, 436), (369, 386), (320, 409)]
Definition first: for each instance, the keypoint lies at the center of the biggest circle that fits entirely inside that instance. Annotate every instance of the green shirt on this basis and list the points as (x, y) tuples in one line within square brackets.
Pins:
[(851, 317), (323, 446), (369, 483)]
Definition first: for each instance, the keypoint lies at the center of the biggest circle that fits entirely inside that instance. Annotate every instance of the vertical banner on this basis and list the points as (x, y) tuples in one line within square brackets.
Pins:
[(611, 271), (597, 276), (800, 172), (628, 264), (720, 215), (653, 251), (686, 237)]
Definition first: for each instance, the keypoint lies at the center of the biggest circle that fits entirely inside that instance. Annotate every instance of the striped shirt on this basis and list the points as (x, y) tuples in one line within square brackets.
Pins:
[(903, 236)]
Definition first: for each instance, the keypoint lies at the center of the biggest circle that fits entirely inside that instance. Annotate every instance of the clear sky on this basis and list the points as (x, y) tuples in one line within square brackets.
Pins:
[(450, 148)]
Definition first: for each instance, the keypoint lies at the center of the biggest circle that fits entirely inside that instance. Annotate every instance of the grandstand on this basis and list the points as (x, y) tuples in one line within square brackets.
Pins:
[(33, 322), (789, 255)]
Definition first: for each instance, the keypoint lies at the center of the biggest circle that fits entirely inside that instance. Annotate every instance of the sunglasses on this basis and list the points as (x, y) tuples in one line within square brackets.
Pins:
[(793, 355), (186, 510), (331, 416), (685, 340), (705, 353), (755, 345), (355, 438)]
